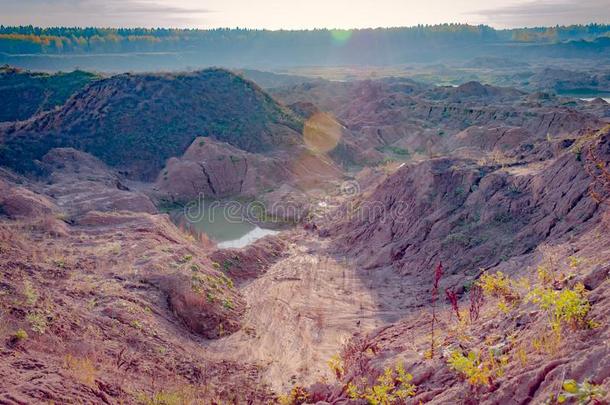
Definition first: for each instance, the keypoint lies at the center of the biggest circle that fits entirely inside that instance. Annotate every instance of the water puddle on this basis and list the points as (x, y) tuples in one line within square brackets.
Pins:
[(222, 223), (606, 99), (587, 95)]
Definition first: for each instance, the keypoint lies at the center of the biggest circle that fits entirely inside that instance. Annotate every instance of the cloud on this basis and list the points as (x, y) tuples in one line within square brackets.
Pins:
[(295, 13), (139, 7), (107, 13), (547, 13)]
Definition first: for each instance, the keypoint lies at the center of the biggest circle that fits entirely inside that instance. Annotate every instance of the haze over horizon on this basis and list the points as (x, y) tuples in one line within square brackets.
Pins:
[(277, 14)]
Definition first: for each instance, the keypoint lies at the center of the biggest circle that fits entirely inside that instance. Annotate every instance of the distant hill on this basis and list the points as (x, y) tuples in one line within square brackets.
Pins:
[(491, 62), (565, 81), (269, 80), (136, 122), (25, 93)]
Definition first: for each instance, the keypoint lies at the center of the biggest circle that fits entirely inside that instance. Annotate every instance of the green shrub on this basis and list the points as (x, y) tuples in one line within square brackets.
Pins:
[(180, 396), (298, 395), (20, 335), (136, 324), (392, 387), (228, 304), (336, 366), (227, 264), (186, 258), (470, 367), (475, 368), (565, 307), (38, 322), (584, 392), (500, 286), (30, 293), (497, 285), (395, 150)]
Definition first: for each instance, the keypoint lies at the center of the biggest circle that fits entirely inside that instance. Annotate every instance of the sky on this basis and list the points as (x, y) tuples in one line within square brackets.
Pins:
[(299, 14)]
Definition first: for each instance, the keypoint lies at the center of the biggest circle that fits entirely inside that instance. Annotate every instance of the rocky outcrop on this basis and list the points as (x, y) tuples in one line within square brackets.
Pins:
[(563, 80), (469, 216), (287, 204), (201, 296), (19, 202), (502, 138), (252, 261), (205, 302), (472, 91), (216, 169), (80, 183), (213, 169)]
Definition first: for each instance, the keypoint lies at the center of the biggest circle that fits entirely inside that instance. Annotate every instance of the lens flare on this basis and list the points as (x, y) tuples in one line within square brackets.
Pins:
[(340, 37), (321, 133)]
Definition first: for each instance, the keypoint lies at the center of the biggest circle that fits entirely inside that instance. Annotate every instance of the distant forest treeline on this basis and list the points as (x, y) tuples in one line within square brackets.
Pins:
[(29, 39), (107, 49)]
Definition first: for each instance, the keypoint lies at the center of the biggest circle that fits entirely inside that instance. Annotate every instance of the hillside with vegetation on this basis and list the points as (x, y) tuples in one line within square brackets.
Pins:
[(136, 122), (25, 93)]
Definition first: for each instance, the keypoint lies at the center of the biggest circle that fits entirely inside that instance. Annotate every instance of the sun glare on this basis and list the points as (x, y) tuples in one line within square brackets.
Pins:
[(322, 133), (340, 37)]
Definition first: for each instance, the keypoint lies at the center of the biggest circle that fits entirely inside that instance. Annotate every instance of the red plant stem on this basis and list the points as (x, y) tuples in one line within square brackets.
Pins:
[(476, 301), (453, 299)]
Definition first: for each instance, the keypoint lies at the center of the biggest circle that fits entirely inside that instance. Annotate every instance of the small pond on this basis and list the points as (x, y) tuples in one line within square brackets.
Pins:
[(587, 95), (223, 223)]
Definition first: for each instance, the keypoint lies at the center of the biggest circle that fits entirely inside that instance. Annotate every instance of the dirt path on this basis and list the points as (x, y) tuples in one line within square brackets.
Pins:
[(302, 311)]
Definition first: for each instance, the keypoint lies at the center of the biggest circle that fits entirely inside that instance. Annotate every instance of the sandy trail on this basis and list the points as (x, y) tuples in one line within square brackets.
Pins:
[(303, 310)]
